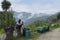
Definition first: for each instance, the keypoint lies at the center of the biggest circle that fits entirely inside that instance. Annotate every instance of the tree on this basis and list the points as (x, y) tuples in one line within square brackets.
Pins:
[(6, 5), (6, 17), (58, 16), (9, 19)]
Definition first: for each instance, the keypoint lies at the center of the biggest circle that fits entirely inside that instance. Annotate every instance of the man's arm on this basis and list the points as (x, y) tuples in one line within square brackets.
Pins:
[(22, 22)]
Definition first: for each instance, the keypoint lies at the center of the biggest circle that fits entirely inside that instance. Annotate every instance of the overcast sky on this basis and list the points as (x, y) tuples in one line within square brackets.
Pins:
[(35, 6)]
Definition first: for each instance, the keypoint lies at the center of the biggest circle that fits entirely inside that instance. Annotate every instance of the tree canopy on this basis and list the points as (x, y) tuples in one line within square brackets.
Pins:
[(6, 5)]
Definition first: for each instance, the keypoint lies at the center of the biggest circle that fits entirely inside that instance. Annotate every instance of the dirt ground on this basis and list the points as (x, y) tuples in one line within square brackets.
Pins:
[(52, 35)]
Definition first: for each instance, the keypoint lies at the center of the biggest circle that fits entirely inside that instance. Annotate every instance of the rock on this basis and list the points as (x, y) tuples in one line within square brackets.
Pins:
[(2, 36)]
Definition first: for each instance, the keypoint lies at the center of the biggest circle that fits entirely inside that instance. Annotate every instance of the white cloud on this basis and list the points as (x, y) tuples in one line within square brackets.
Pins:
[(35, 8), (0, 8), (14, 0), (20, 8), (0, 5)]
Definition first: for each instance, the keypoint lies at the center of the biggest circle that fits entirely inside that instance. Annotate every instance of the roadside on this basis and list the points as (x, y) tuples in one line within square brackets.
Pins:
[(52, 35)]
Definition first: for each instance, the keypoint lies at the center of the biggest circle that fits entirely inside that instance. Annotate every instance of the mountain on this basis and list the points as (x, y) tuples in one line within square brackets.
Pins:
[(30, 17), (21, 15), (26, 16)]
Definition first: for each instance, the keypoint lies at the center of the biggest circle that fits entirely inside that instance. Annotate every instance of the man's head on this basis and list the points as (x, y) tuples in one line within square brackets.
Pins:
[(19, 20)]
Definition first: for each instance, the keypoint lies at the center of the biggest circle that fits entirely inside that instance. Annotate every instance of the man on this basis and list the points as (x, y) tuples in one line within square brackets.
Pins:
[(19, 26)]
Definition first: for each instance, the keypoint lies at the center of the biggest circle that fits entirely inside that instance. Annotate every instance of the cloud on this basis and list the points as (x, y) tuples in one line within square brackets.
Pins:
[(0, 5), (48, 8), (35, 6)]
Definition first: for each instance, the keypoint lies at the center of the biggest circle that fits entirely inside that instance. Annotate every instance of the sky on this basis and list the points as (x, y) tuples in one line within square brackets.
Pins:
[(35, 6)]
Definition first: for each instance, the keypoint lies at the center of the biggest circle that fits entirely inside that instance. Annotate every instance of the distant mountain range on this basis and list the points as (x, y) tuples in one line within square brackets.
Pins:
[(30, 17), (22, 15)]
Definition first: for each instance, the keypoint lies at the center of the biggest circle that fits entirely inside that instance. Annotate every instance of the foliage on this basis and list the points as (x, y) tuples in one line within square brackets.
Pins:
[(33, 26), (7, 19), (54, 20), (58, 15), (6, 5), (1, 31), (57, 25)]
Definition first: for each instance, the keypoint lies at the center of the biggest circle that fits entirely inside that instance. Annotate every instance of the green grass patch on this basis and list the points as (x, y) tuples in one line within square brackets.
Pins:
[(1, 31), (34, 36), (33, 28), (55, 26)]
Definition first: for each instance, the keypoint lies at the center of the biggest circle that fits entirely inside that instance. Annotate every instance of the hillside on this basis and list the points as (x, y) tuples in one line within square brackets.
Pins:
[(29, 18)]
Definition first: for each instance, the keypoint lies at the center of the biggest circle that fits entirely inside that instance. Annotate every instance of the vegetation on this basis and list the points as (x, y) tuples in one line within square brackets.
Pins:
[(57, 25), (6, 5), (58, 15), (7, 19), (1, 31), (54, 20), (33, 27), (36, 24)]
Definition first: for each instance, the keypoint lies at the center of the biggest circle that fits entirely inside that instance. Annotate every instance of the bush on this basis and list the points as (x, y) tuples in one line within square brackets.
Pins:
[(7, 19)]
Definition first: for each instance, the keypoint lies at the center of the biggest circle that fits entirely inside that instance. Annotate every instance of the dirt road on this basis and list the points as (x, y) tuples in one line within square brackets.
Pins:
[(52, 35)]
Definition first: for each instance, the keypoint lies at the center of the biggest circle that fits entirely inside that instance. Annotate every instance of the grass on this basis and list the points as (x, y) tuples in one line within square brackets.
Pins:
[(33, 28), (34, 35), (1, 31), (57, 25)]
